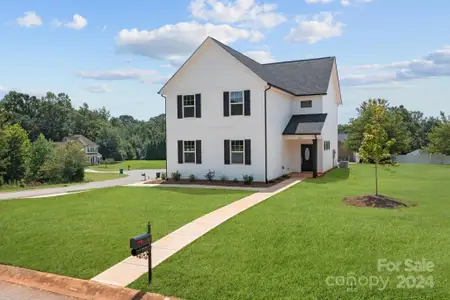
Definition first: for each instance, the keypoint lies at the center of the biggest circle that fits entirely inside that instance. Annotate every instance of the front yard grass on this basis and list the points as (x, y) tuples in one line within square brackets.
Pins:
[(88, 177), (81, 235), (134, 165), (287, 246)]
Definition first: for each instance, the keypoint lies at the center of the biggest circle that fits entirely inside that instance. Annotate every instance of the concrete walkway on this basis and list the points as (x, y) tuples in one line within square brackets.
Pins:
[(132, 268), (133, 177)]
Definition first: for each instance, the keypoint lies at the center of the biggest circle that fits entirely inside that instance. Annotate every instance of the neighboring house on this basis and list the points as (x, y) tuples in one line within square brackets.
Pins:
[(343, 153), (232, 115), (90, 148)]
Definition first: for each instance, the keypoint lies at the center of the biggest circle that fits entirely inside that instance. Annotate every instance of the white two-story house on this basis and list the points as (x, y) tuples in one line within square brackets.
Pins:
[(232, 115)]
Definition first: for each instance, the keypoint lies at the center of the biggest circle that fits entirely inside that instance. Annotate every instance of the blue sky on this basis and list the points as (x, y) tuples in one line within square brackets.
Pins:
[(117, 54)]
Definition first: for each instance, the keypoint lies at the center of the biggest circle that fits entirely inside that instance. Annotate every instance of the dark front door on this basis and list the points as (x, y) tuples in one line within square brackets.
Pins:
[(307, 158)]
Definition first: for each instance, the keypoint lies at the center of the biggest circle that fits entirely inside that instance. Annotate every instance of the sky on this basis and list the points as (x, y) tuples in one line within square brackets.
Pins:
[(117, 54)]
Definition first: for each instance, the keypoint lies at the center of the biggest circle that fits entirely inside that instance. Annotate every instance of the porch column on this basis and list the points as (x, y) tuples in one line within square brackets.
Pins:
[(314, 156)]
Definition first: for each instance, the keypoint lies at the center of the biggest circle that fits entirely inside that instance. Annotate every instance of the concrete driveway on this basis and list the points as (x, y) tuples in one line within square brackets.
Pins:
[(133, 177)]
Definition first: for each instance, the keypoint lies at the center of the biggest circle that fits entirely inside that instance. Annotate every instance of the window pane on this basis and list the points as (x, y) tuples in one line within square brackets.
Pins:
[(189, 112), (189, 157), (237, 158), (188, 100), (189, 146), (237, 145), (237, 109), (236, 97), (306, 104)]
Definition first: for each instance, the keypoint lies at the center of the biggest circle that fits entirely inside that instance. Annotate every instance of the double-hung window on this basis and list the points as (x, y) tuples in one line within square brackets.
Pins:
[(326, 145), (189, 151), (189, 106), (237, 151), (237, 103)]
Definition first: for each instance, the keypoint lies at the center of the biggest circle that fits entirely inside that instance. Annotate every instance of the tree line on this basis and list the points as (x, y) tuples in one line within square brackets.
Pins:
[(406, 129), (53, 115)]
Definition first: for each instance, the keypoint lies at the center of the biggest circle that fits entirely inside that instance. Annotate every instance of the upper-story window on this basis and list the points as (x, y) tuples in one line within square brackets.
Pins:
[(189, 106), (237, 103), (306, 104)]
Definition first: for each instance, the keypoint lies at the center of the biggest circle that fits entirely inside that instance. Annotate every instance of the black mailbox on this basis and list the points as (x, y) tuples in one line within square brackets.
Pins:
[(141, 244), (140, 241)]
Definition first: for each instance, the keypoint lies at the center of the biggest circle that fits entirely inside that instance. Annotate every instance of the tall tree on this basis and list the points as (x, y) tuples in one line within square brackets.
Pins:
[(40, 152), (392, 123), (376, 145), (440, 137), (15, 152)]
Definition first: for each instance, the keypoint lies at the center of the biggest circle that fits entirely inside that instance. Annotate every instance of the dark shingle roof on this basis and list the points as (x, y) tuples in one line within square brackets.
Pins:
[(305, 124), (300, 77), (82, 139)]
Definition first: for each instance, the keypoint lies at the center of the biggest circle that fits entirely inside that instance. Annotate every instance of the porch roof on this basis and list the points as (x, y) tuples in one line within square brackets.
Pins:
[(305, 124)]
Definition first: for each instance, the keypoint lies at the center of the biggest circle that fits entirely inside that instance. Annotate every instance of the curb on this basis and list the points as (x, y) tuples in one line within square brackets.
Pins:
[(73, 287)]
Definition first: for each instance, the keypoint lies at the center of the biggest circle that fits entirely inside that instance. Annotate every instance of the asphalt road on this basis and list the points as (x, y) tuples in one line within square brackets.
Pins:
[(133, 177), (10, 291)]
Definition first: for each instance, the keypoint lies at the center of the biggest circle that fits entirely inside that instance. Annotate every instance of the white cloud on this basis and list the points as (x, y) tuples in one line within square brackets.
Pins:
[(97, 88), (157, 79), (3, 89), (262, 57), (123, 74), (78, 22), (386, 86), (245, 12), (434, 64), (345, 2), (322, 26), (173, 42), (29, 20)]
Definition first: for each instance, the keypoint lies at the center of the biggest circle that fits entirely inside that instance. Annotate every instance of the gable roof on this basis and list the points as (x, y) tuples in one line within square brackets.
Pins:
[(82, 139), (299, 78)]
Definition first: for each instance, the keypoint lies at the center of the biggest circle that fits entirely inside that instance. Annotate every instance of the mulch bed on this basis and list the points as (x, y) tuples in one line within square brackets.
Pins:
[(374, 201), (257, 184)]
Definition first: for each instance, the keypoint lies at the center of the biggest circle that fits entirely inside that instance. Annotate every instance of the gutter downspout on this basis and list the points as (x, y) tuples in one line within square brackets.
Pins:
[(265, 132), (165, 125)]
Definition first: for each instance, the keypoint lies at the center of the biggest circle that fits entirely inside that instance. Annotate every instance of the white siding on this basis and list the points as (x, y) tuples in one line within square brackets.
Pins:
[(279, 111), (316, 108), (210, 72), (330, 131)]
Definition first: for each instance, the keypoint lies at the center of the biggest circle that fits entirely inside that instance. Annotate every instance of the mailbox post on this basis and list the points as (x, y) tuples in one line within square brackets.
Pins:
[(141, 245)]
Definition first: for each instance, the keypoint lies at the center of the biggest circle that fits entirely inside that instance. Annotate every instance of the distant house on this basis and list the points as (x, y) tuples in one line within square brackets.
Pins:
[(90, 148), (343, 153)]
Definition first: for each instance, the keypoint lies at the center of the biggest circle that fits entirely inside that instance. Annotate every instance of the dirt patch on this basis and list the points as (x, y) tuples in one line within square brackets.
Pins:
[(379, 201), (256, 184)]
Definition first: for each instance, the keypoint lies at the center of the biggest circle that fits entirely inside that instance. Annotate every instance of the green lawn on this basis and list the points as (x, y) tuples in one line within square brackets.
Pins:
[(88, 177), (81, 235), (287, 246), (134, 165)]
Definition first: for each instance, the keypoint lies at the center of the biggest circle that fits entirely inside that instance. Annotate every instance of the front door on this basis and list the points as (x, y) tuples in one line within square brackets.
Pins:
[(307, 158)]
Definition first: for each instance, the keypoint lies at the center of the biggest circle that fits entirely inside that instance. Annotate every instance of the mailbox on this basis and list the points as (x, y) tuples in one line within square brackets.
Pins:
[(141, 244), (140, 241)]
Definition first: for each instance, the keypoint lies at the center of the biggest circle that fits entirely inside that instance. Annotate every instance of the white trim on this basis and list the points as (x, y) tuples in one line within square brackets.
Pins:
[(241, 103), (183, 106), (243, 152), (184, 152)]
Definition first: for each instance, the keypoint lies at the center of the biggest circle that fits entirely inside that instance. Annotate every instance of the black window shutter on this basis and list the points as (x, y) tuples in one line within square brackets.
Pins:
[(198, 152), (226, 104), (248, 152), (180, 152), (198, 105), (226, 151), (247, 103), (180, 106)]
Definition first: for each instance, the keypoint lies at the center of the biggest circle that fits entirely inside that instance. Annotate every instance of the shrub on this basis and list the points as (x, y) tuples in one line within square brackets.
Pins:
[(210, 175), (40, 152), (65, 165), (192, 178), (176, 175), (163, 176), (223, 178), (248, 179), (235, 180)]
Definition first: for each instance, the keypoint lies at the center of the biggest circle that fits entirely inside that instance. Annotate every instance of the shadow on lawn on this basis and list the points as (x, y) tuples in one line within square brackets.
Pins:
[(332, 176)]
